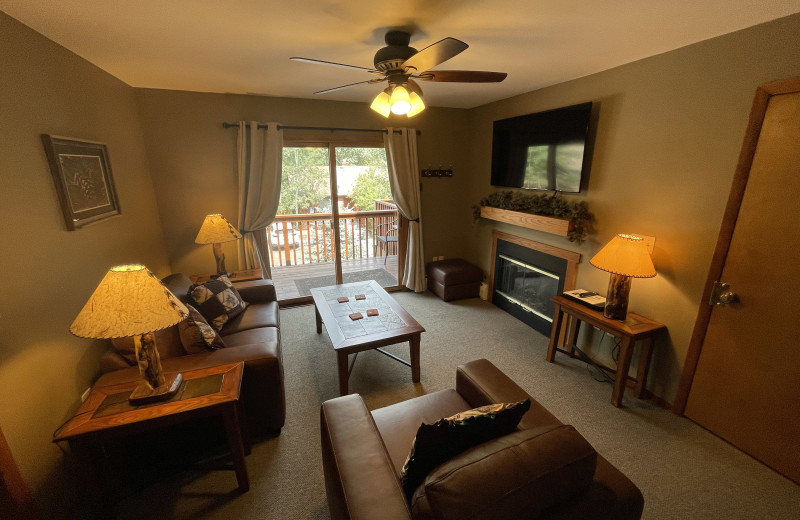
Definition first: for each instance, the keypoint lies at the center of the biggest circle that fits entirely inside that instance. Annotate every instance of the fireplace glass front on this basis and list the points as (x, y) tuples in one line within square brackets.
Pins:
[(524, 283)]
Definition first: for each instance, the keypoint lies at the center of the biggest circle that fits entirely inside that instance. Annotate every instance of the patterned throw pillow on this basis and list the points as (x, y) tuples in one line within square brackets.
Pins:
[(438, 442), (217, 300), (197, 335)]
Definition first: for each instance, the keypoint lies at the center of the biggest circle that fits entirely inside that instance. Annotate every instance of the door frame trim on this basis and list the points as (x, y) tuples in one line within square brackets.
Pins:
[(752, 133)]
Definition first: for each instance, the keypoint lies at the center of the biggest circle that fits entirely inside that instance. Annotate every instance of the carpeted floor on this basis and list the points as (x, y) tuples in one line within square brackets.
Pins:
[(381, 276), (683, 471)]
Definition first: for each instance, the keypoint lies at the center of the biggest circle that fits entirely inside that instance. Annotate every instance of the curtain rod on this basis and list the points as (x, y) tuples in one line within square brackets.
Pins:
[(330, 128)]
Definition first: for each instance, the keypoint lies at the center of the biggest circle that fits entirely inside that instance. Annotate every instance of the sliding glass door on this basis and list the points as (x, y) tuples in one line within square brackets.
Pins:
[(336, 220)]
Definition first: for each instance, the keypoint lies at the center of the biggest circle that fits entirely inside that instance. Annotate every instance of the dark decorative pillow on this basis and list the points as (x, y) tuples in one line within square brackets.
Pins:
[(435, 443), (217, 300), (197, 335)]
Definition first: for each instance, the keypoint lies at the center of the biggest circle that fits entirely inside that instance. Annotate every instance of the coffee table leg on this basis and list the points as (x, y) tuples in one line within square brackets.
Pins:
[(319, 320), (341, 358), (413, 344), (233, 430)]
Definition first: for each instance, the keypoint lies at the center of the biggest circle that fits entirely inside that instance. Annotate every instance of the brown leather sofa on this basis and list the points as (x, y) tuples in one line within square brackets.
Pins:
[(252, 337), (544, 469)]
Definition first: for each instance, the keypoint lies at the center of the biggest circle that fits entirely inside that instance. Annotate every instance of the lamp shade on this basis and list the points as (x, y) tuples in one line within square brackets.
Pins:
[(417, 105), (400, 101), (215, 230), (625, 255), (129, 301), (381, 104)]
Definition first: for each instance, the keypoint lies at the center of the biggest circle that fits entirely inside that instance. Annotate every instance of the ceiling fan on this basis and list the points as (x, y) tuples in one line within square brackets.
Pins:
[(400, 65)]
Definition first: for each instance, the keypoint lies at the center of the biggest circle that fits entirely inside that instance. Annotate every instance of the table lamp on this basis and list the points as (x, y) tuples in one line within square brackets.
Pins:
[(215, 230), (131, 301), (625, 257)]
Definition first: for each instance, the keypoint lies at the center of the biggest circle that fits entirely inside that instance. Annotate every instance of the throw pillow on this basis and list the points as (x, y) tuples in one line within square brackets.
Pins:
[(217, 300), (435, 443), (197, 335)]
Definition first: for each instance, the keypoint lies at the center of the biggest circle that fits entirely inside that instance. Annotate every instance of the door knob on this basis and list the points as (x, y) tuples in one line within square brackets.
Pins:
[(722, 295)]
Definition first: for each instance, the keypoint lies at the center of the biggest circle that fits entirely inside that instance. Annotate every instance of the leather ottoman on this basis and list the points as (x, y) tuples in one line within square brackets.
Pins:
[(453, 279)]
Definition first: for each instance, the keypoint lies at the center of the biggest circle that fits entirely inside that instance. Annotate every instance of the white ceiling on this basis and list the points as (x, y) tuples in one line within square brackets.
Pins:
[(243, 46)]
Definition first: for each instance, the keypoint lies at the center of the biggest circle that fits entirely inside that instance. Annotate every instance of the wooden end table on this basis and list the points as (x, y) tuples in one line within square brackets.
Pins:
[(633, 329), (393, 324), (107, 414), (244, 275)]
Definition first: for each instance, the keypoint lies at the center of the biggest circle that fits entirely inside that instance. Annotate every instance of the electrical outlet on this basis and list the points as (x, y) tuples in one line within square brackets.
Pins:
[(85, 394)]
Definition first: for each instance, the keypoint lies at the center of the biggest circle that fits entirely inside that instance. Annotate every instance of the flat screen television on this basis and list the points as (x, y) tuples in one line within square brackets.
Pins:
[(542, 151)]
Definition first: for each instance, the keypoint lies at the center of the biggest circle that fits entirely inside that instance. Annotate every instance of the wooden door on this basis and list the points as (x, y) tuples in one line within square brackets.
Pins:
[(742, 376)]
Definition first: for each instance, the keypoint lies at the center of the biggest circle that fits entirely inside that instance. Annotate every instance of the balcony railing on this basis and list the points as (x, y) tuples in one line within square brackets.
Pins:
[(308, 238)]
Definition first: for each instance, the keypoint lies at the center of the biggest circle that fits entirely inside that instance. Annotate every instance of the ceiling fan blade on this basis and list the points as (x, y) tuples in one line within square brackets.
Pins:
[(434, 54), (376, 80), (462, 76), (334, 64)]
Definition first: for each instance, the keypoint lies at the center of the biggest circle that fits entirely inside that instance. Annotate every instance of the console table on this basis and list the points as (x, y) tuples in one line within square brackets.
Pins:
[(568, 316), (244, 275)]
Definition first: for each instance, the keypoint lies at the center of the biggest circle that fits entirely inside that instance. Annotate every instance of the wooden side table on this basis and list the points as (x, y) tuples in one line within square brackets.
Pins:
[(633, 329), (107, 414), (245, 275)]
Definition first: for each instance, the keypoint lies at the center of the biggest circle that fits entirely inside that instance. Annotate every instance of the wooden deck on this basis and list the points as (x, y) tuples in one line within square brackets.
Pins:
[(284, 277)]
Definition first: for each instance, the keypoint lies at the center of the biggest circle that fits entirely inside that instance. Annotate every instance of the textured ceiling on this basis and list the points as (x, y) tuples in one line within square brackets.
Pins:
[(243, 46)]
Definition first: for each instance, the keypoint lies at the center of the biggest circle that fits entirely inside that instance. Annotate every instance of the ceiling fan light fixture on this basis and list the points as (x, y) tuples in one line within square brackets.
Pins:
[(417, 105), (400, 101), (381, 104)]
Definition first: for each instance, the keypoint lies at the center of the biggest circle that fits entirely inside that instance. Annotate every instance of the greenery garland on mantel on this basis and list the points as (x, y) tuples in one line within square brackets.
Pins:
[(548, 205)]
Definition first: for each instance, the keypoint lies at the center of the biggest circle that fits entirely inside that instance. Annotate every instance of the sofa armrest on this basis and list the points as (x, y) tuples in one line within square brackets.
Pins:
[(257, 291), (359, 477), (480, 383)]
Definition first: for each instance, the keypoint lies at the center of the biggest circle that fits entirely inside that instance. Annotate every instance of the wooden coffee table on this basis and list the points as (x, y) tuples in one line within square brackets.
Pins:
[(392, 324), (107, 414)]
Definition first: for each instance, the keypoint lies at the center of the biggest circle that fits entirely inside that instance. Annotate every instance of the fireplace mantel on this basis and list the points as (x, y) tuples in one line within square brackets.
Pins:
[(555, 226)]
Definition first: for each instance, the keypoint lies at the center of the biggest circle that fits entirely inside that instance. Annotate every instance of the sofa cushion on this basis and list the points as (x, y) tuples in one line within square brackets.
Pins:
[(399, 422), (168, 344), (438, 442), (178, 284), (246, 337), (256, 315), (217, 300), (518, 475), (197, 335)]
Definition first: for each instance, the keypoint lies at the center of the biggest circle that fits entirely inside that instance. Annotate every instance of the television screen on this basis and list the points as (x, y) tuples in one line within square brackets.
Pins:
[(542, 151)]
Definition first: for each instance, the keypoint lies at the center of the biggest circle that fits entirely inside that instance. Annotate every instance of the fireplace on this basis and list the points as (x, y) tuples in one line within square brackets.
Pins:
[(526, 275)]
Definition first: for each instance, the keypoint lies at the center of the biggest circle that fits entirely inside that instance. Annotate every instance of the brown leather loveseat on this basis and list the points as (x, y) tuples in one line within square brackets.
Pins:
[(543, 469), (252, 337)]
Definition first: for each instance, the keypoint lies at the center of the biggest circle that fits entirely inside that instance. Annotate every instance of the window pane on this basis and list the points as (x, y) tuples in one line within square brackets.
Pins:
[(362, 178)]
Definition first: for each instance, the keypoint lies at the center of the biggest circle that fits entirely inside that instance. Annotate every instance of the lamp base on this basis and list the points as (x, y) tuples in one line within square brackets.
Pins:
[(219, 256), (144, 393), (619, 287)]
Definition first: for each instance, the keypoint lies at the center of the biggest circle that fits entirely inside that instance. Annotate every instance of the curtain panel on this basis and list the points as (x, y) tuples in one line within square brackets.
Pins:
[(259, 170), (401, 157)]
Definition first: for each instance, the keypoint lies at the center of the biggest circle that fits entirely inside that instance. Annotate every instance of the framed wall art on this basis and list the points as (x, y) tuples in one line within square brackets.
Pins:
[(82, 175)]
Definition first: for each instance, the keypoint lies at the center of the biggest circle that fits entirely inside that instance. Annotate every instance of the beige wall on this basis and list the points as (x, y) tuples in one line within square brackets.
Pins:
[(50, 272), (668, 136), (193, 159)]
